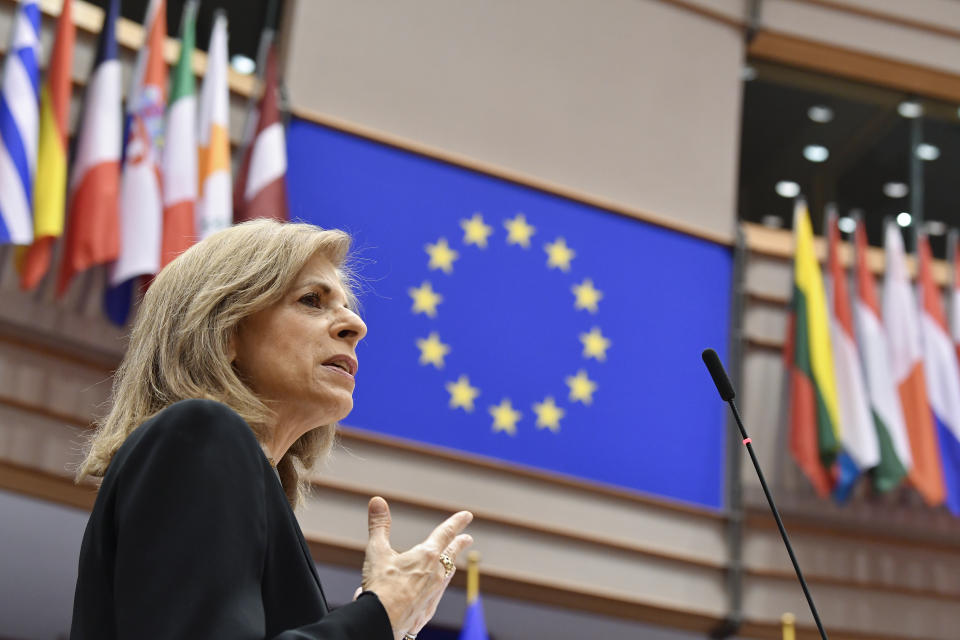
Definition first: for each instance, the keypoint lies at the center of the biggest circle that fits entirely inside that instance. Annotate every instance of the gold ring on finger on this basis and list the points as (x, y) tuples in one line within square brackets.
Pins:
[(448, 566)]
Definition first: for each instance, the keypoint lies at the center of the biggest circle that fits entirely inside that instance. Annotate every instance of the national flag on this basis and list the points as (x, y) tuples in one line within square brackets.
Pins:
[(261, 179), (906, 363), (50, 199), (214, 206), (180, 149), (895, 457), (92, 234), (19, 98), (474, 625), (860, 450), (954, 243), (814, 415), (252, 116), (141, 203), (943, 375), (568, 342)]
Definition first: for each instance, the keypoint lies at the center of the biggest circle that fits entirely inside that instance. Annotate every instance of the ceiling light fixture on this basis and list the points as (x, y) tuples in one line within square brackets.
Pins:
[(904, 219), (242, 64), (910, 109), (847, 224), (935, 228), (787, 189), (821, 114), (816, 153), (895, 189), (927, 151), (772, 221)]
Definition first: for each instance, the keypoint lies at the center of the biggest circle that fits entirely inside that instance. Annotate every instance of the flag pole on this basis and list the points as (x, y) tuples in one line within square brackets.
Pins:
[(473, 576), (787, 621)]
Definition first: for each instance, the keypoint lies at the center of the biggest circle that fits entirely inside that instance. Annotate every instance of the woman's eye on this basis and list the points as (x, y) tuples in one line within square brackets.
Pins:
[(311, 299)]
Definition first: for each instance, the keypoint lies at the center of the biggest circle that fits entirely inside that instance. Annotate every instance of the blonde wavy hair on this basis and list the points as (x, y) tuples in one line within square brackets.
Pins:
[(179, 346)]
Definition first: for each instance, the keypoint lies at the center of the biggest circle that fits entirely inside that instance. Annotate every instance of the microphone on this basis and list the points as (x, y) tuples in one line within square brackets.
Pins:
[(720, 379)]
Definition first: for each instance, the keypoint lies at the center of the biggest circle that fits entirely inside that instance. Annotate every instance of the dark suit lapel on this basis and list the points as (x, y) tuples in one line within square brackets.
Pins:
[(309, 559)]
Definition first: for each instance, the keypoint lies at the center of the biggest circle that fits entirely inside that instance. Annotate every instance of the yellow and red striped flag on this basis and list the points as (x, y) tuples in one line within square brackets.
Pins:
[(50, 182), (814, 414)]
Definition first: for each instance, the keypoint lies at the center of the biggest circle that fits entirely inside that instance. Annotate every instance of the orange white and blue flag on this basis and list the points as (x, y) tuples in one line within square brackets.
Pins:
[(943, 375), (19, 118)]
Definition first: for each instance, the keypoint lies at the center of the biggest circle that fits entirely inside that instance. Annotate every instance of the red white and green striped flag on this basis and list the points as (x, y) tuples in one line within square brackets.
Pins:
[(814, 414)]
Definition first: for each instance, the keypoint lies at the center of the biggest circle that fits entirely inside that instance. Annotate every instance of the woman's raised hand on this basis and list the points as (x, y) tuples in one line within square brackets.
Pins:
[(410, 584)]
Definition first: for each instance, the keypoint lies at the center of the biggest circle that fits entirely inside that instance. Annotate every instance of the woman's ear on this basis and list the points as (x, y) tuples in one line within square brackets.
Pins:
[(232, 347)]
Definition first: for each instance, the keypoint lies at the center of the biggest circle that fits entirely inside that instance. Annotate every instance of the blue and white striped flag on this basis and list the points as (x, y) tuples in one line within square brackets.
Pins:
[(19, 117)]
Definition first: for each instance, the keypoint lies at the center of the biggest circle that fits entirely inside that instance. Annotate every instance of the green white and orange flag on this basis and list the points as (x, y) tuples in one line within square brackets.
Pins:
[(895, 457), (50, 182), (808, 355), (180, 149), (215, 201)]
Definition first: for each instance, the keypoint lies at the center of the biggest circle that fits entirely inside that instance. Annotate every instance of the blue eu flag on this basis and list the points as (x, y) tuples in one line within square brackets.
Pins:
[(522, 326)]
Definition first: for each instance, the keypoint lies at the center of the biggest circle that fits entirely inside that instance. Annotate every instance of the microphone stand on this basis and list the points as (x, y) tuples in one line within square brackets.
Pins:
[(748, 443), (727, 394)]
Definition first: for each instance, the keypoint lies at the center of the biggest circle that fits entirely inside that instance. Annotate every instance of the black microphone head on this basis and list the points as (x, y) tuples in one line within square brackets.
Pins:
[(715, 367)]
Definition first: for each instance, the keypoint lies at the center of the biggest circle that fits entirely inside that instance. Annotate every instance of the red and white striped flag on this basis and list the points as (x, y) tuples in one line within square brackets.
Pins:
[(261, 181)]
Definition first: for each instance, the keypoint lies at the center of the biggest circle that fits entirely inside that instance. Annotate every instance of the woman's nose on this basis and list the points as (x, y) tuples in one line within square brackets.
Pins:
[(350, 327)]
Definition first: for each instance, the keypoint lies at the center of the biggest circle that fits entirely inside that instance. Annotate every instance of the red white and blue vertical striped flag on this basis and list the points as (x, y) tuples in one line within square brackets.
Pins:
[(92, 235), (19, 126), (943, 375)]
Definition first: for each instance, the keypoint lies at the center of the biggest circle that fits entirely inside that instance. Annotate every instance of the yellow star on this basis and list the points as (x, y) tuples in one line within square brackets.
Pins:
[(548, 414), (425, 299), (505, 417), (475, 231), (587, 296), (518, 231), (581, 387), (462, 394), (559, 254), (432, 351), (441, 255), (594, 344)]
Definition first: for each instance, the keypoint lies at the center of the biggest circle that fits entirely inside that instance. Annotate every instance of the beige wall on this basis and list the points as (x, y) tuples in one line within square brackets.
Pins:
[(632, 100), (873, 35)]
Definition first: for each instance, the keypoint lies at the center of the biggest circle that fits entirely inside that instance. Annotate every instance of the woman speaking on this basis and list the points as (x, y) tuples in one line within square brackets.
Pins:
[(241, 361)]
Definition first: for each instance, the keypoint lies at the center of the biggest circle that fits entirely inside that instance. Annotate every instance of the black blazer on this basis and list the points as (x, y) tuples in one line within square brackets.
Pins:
[(192, 536)]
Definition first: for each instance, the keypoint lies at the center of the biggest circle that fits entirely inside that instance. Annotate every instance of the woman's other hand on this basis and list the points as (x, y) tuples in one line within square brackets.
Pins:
[(410, 584)]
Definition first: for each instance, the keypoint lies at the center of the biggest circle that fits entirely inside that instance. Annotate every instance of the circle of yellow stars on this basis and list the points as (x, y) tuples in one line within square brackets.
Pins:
[(433, 351)]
